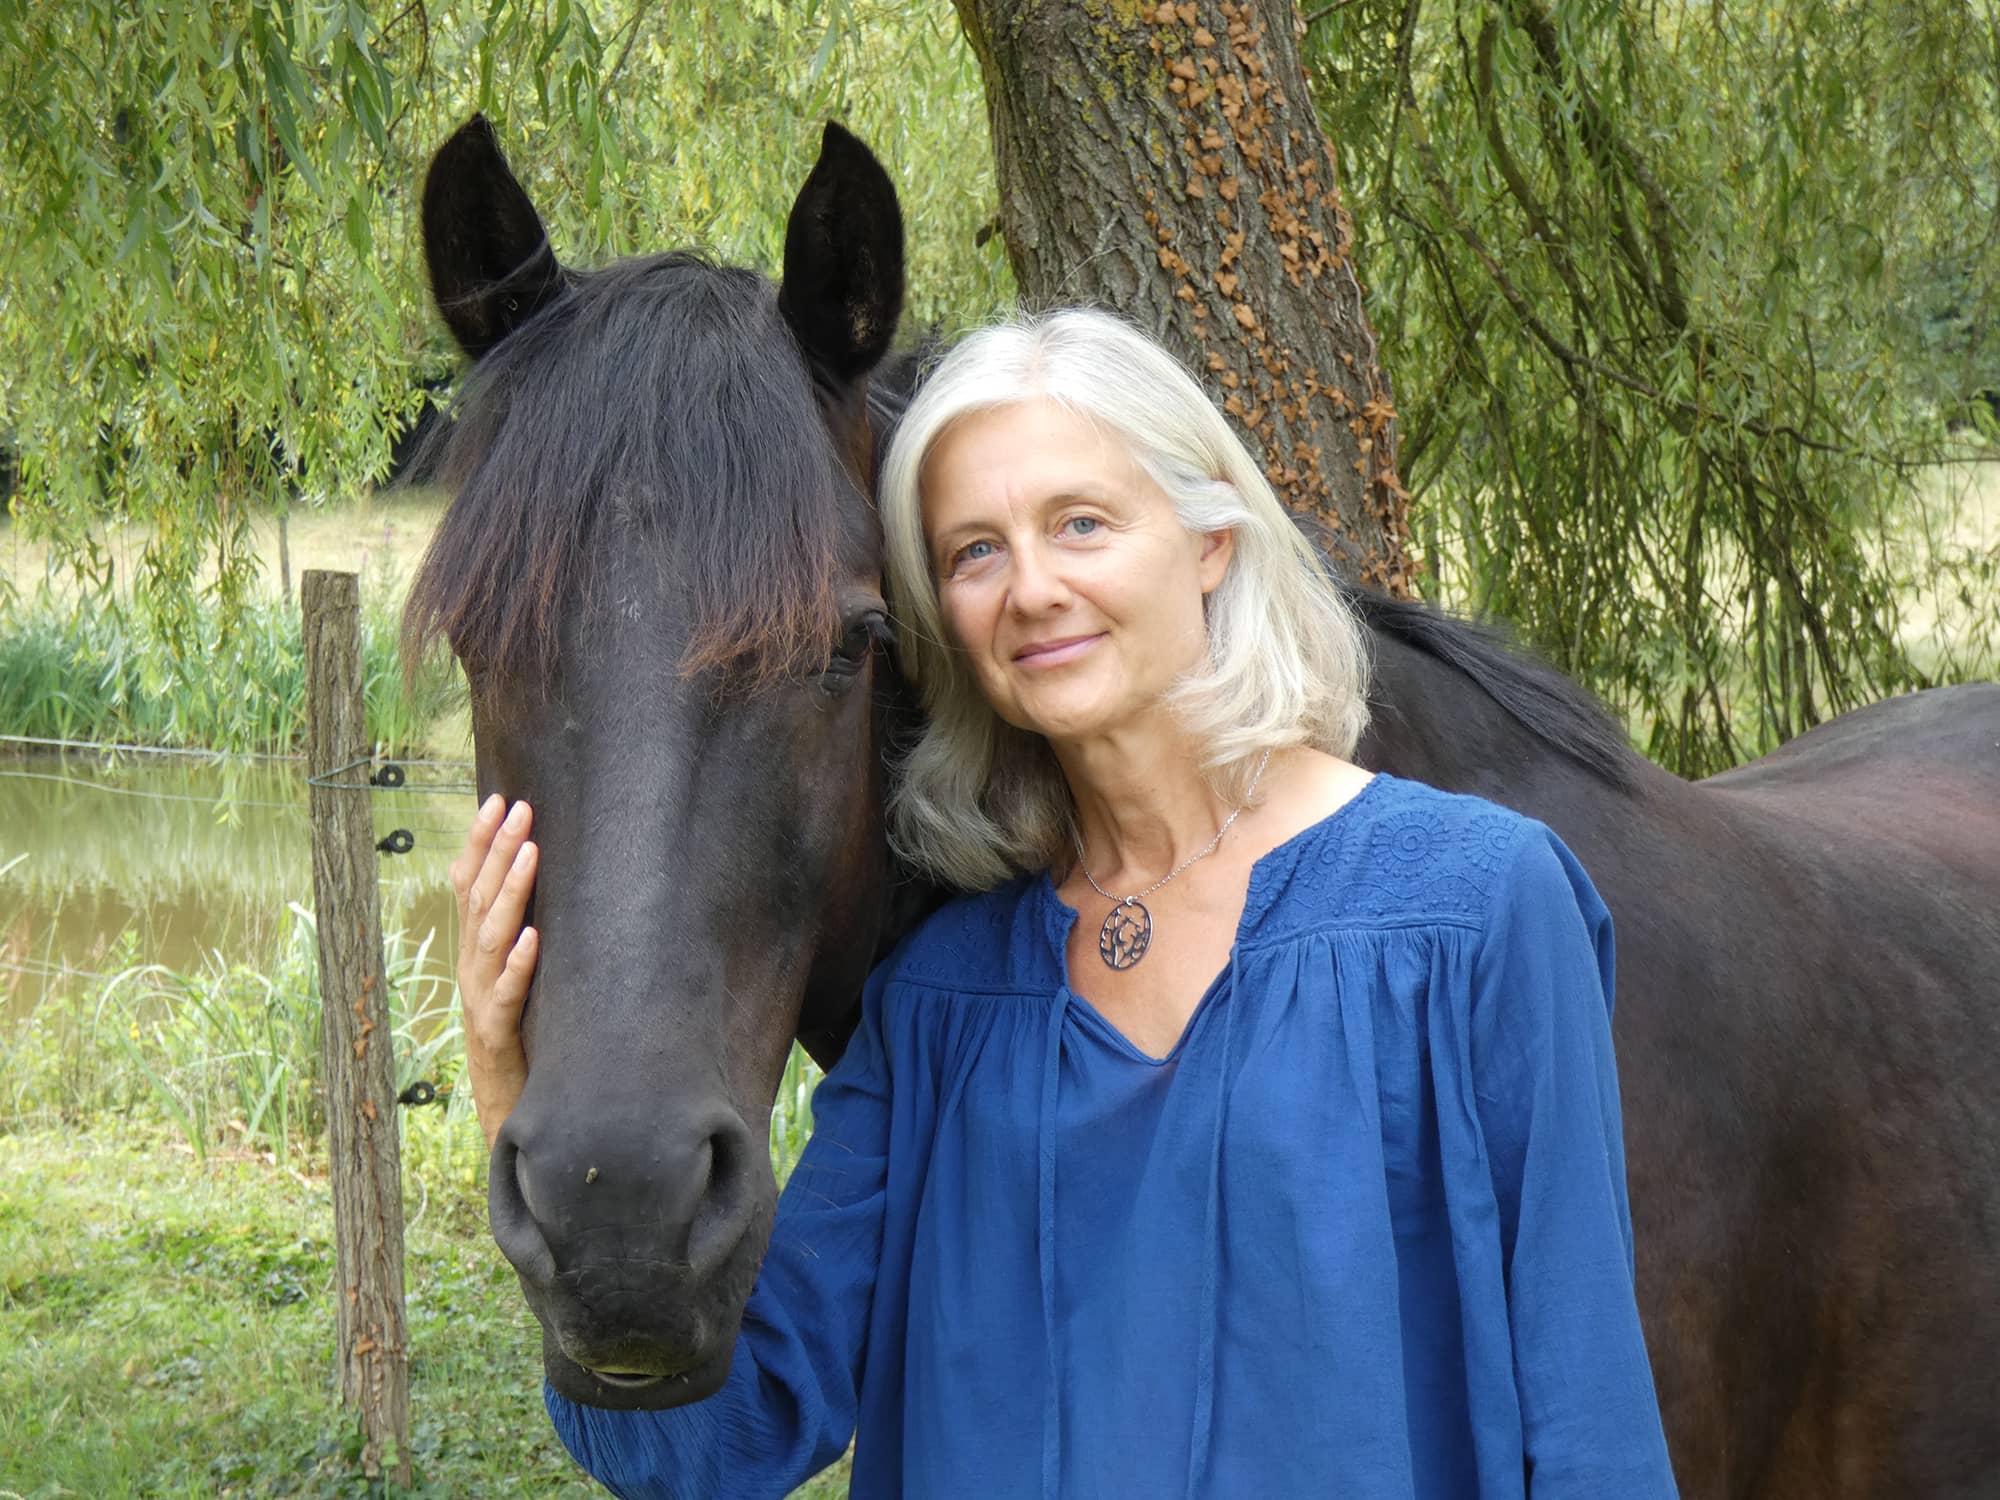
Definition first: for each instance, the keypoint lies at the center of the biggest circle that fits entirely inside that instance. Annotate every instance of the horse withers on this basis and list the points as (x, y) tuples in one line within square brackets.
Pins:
[(660, 572)]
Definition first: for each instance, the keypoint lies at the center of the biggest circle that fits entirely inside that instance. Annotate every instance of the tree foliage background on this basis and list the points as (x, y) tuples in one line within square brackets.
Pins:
[(1682, 303), (214, 297)]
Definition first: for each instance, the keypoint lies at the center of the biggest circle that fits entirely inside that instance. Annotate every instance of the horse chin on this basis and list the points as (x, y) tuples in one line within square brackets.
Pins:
[(633, 1390), (661, 1341)]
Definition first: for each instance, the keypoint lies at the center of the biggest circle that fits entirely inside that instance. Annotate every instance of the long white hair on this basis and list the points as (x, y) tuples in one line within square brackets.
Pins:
[(979, 799)]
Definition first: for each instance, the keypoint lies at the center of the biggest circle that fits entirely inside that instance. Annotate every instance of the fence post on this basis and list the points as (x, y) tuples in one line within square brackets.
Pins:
[(364, 1153)]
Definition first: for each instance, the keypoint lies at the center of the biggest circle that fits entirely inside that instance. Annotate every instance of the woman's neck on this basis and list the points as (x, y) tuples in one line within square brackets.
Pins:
[(1142, 803)]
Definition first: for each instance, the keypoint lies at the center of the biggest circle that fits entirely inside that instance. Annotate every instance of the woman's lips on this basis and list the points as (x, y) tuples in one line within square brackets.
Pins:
[(1056, 653)]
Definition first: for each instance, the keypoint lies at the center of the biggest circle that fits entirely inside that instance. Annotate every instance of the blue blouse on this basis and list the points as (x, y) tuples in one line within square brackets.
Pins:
[(1363, 1232)]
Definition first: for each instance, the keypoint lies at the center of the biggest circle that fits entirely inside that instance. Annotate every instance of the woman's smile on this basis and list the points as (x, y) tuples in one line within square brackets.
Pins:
[(1041, 655)]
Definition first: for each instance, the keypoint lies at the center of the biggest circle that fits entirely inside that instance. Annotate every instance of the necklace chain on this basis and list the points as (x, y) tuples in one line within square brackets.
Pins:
[(1206, 850)]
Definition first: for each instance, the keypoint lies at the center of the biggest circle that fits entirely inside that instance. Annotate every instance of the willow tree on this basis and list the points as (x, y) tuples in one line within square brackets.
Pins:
[(1678, 301), (1661, 288), (1687, 304), (1164, 159), (213, 305)]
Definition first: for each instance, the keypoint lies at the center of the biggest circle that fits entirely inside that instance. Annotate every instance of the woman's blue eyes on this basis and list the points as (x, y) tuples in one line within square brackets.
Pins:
[(975, 552)]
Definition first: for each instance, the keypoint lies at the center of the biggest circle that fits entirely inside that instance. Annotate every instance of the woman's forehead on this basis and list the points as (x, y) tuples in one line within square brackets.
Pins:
[(1028, 451)]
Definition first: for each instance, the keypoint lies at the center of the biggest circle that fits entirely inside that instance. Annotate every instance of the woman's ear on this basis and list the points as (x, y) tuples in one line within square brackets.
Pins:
[(1217, 548)]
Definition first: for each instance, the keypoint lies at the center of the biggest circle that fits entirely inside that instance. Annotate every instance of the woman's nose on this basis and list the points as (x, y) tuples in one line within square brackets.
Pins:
[(1037, 585)]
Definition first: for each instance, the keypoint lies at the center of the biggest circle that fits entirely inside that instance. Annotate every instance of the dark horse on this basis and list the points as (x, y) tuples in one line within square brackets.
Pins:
[(661, 574)]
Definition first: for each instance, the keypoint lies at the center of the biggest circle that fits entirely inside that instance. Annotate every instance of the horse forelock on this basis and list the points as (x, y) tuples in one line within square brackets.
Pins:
[(660, 402)]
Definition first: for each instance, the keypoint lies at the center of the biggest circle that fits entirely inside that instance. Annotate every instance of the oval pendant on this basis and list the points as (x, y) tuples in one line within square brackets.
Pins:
[(1126, 934)]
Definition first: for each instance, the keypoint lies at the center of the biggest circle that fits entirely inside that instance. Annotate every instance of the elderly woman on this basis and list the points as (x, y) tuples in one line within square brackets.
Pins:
[(1254, 1131)]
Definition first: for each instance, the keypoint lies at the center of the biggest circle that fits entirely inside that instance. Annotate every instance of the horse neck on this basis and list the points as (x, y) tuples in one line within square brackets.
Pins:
[(1433, 722)]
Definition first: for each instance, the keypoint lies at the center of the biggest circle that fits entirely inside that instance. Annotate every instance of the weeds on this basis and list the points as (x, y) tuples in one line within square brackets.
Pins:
[(228, 1057), (90, 668)]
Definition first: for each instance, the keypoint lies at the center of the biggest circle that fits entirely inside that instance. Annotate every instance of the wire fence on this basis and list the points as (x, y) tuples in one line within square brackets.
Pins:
[(111, 776), (399, 833), (388, 775)]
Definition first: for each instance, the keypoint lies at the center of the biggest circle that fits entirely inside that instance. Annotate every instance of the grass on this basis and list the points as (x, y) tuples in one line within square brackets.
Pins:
[(166, 1262), (168, 1331), (91, 668), (227, 1056)]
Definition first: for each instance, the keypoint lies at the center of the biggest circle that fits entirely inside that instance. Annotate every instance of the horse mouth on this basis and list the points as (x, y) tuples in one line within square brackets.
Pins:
[(626, 1380), (625, 1383)]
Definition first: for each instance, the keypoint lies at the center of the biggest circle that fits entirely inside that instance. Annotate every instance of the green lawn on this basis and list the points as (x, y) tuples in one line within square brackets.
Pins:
[(166, 1329)]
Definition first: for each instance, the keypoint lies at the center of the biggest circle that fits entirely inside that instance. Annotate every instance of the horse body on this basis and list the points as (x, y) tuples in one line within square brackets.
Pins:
[(1807, 1035), (1806, 946)]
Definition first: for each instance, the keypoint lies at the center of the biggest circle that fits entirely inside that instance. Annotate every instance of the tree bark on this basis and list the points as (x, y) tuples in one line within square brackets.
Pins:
[(1165, 160), (364, 1152)]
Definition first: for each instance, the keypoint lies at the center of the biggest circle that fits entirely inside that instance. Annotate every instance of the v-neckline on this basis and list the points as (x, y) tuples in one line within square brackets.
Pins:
[(1064, 918)]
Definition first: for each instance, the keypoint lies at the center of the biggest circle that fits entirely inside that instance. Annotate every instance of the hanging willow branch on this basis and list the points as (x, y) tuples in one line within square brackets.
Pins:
[(1655, 405)]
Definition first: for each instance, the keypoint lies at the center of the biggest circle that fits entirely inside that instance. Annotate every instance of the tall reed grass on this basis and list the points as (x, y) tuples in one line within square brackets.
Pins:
[(228, 1057), (90, 668)]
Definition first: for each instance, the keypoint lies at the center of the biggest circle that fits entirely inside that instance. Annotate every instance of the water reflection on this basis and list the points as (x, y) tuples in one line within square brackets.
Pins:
[(190, 857)]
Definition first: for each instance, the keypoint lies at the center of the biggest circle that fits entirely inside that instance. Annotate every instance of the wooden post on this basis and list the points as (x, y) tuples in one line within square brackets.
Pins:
[(364, 1153)]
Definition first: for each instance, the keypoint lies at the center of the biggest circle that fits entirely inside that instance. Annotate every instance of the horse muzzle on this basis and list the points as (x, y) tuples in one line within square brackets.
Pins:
[(636, 1247)]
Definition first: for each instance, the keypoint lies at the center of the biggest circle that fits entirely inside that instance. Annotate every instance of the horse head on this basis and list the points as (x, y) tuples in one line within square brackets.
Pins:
[(660, 573)]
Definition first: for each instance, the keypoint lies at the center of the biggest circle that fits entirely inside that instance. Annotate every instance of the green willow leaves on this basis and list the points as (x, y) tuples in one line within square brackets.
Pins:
[(213, 304), (1683, 303), (1680, 302)]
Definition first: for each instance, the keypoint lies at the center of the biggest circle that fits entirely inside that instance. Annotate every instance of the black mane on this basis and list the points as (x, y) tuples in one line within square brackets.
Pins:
[(663, 391), (1552, 708)]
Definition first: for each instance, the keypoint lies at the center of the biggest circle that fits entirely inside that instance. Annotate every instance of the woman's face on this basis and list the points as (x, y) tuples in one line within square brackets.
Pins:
[(1063, 573)]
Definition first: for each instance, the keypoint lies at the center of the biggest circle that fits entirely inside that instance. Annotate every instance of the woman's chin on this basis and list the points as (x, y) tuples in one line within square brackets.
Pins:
[(1061, 720)]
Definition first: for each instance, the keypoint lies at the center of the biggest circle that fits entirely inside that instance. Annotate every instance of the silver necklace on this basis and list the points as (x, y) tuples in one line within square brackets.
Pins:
[(1128, 931)]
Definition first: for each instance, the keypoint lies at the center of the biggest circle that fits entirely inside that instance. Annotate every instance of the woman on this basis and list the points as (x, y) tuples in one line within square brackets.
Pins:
[(1078, 1219)]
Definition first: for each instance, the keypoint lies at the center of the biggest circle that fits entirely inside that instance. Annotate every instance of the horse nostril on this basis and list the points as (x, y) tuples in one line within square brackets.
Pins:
[(515, 1229), (723, 1212)]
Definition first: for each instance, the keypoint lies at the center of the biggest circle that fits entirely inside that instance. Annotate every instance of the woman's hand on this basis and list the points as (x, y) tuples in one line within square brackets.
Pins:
[(492, 878)]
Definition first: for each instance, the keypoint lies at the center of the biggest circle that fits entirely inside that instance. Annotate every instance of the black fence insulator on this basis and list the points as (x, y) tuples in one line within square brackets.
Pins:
[(423, 1091), (388, 774), (399, 841)]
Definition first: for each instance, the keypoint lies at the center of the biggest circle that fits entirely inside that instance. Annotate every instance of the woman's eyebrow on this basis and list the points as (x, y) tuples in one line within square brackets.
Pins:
[(945, 542)]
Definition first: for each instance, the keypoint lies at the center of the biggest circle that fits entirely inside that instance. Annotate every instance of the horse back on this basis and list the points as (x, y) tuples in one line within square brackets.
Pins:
[(1847, 1134)]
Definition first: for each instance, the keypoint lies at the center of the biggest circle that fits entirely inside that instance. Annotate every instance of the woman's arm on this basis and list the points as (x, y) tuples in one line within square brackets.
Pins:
[(1547, 1089)]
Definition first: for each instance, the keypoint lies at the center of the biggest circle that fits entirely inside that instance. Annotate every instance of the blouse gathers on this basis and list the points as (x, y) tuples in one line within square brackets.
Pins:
[(1363, 1231)]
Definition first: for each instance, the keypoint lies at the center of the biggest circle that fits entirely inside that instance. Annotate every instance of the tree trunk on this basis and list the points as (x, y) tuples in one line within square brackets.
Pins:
[(1165, 160), (364, 1151)]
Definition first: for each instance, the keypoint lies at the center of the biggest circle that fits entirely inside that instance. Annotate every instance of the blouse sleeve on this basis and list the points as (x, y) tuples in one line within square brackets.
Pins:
[(788, 1407), (1547, 1090)]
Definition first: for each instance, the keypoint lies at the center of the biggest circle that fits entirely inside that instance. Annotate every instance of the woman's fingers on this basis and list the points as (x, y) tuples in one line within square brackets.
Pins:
[(510, 990), (501, 925), (478, 839), (493, 879), (493, 1019), (507, 841), (482, 942)]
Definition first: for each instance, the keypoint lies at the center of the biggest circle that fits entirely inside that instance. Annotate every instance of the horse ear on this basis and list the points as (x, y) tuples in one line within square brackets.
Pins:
[(843, 287), (490, 262)]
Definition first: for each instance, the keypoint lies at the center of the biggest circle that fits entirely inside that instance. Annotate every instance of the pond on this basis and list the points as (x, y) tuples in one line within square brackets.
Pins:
[(187, 861)]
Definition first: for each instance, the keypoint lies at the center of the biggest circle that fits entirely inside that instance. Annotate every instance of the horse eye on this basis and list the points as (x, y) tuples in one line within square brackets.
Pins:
[(857, 643)]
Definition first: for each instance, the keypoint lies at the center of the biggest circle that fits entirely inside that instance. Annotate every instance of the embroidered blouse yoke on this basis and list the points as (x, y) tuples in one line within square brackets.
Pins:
[(1363, 1232)]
